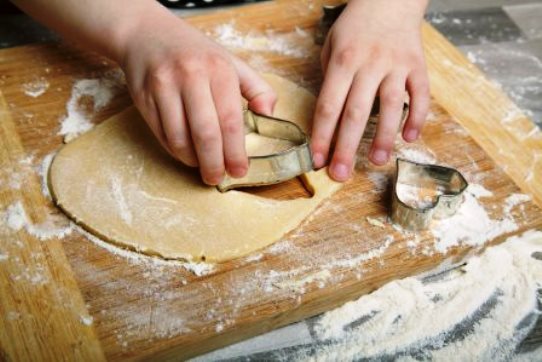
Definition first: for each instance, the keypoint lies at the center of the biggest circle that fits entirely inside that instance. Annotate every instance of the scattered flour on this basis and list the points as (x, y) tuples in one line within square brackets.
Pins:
[(118, 195), (417, 197), (198, 269), (379, 179), (87, 320), (15, 216), (100, 90), (494, 298), (470, 225), (375, 222), (288, 44), (515, 200), (355, 261), (479, 191), (43, 172), (298, 285), (16, 219), (418, 155), (35, 88)]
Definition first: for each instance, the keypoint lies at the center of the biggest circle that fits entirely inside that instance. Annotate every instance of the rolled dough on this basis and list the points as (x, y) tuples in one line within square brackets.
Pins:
[(119, 184)]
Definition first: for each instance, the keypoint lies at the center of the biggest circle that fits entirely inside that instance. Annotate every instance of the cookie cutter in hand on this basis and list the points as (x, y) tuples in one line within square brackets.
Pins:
[(277, 167), (447, 183)]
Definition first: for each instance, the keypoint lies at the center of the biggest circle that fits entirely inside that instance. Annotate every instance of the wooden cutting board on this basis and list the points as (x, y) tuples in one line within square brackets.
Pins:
[(70, 298)]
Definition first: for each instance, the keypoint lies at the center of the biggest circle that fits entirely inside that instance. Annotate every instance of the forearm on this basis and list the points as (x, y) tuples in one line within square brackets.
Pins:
[(414, 9), (101, 25)]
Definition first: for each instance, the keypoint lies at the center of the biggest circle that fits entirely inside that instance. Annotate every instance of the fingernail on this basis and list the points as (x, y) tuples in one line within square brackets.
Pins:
[(238, 172), (340, 172), (411, 135), (213, 181), (379, 157), (318, 160)]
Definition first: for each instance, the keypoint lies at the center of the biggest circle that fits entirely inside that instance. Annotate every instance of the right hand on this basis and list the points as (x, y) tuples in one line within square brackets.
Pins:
[(189, 89)]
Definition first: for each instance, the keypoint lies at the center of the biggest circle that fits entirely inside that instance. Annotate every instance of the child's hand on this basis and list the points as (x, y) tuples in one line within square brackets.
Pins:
[(373, 48), (189, 89)]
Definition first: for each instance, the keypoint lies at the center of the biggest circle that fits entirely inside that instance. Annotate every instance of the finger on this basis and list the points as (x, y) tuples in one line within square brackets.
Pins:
[(325, 54), (149, 111), (204, 128), (392, 93), (328, 110), (227, 98), (353, 121), (259, 94), (176, 130), (418, 89)]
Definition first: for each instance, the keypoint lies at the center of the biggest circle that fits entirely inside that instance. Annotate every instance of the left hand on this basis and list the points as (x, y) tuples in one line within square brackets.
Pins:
[(373, 48)]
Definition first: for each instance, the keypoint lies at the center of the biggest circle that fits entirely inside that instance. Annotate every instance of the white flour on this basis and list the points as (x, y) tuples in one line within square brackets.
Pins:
[(494, 298), (16, 219), (415, 196), (515, 200), (35, 88), (293, 44), (419, 155), (198, 269), (471, 225), (43, 172), (100, 91)]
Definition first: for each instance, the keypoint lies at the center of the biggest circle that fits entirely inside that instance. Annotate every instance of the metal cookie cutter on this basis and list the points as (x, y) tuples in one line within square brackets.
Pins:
[(422, 192), (276, 167)]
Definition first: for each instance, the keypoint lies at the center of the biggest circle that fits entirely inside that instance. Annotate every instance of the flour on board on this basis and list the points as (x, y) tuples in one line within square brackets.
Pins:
[(100, 90), (495, 294), (470, 225), (293, 44), (36, 87), (16, 219)]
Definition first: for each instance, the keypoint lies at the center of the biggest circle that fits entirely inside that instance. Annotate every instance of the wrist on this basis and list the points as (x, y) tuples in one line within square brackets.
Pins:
[(414, 8)]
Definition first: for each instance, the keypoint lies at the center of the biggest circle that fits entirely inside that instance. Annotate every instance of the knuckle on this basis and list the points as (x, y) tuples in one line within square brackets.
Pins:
[(345, 56), (190, 67), (217, 60), (353, 114), (158, 77), (393, 96), (206, 137), (231, 123), (325, 110)]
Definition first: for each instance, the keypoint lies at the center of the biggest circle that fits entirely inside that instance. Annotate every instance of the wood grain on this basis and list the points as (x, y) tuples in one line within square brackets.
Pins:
[(41, 308), (144, 309), (479, 105)]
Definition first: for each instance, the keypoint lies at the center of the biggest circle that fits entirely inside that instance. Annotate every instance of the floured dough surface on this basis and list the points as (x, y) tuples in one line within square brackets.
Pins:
[(118, 183)]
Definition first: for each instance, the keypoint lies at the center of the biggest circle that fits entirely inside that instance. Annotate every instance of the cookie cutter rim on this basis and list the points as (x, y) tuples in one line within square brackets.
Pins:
[(444, 205), (275, 167)]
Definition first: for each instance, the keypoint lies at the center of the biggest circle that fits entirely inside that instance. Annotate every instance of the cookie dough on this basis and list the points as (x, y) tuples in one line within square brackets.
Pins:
[(118, 183)]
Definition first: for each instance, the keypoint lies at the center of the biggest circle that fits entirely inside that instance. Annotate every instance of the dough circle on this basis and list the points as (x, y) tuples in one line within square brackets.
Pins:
[(118, 183)]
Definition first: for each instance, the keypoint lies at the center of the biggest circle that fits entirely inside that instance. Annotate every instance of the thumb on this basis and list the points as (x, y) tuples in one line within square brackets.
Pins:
[(259, 94)]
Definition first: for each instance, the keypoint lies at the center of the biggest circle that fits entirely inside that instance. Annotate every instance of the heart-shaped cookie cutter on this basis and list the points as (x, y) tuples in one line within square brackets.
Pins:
[(423, 192), (276, 167)]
